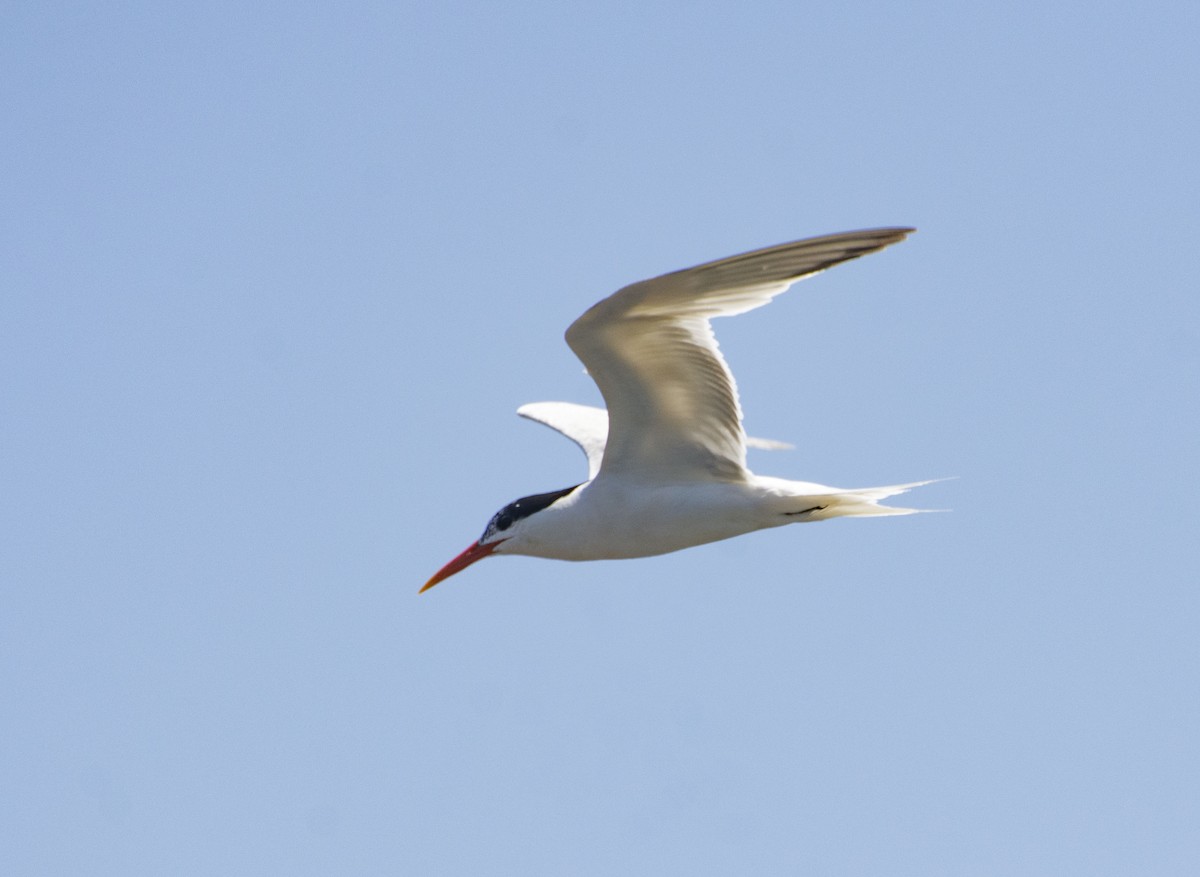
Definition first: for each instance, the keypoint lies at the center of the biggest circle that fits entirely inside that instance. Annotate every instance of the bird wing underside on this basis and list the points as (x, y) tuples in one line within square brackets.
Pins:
[(672, 402), (582, 424), (587, 426)]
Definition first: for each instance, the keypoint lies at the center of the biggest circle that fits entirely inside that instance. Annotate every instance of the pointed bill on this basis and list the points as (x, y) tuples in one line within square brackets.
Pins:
[(468, 557)]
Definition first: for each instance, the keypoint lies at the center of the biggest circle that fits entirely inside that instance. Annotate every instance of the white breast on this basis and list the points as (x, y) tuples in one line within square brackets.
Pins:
[(611, 518)]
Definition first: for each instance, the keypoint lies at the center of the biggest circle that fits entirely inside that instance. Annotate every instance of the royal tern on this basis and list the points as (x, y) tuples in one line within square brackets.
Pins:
[(667, 461)]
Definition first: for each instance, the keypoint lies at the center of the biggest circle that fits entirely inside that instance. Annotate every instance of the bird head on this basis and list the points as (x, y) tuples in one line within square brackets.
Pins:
[(506, 526)]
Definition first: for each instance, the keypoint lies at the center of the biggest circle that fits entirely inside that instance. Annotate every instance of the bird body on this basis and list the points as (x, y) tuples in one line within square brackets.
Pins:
[(611, 518), (667, 460)]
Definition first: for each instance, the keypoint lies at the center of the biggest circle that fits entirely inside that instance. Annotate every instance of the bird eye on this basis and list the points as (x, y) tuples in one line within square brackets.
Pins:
[(503, 522)]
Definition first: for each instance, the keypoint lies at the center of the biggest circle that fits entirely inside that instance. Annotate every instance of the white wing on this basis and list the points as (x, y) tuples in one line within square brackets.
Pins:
[(582, 424), (672, 402), (587, 426)]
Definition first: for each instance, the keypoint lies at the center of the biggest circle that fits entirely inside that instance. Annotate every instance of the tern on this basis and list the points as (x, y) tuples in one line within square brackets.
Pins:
[(667, 460)]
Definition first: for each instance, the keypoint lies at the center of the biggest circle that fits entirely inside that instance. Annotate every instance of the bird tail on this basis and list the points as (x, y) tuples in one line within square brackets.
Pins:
[(833, 502)]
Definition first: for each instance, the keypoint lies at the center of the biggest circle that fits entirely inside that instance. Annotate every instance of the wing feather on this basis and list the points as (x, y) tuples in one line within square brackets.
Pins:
[(587, 426), (583, 424), (672, 401)]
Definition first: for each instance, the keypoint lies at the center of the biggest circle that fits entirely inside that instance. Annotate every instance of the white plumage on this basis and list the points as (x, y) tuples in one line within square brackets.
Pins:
[(667, 461)]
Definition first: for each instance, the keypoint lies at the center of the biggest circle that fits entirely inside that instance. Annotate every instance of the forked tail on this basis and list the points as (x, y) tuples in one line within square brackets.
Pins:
[(832, 502)]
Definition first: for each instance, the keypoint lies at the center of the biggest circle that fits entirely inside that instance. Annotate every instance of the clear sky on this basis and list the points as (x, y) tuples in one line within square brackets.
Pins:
[(274, 278)]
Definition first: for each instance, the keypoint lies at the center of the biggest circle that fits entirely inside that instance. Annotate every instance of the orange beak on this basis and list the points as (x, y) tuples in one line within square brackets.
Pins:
[(468, 557)]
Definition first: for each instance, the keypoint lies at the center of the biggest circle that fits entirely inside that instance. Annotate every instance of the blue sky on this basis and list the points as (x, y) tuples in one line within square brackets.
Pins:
[(275, 281)]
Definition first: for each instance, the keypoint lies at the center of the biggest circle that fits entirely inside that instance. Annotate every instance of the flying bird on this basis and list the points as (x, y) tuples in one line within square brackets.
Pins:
[(667, 460)]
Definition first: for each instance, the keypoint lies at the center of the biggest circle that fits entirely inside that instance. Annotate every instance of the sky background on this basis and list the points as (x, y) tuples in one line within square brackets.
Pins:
[(275, 278)]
